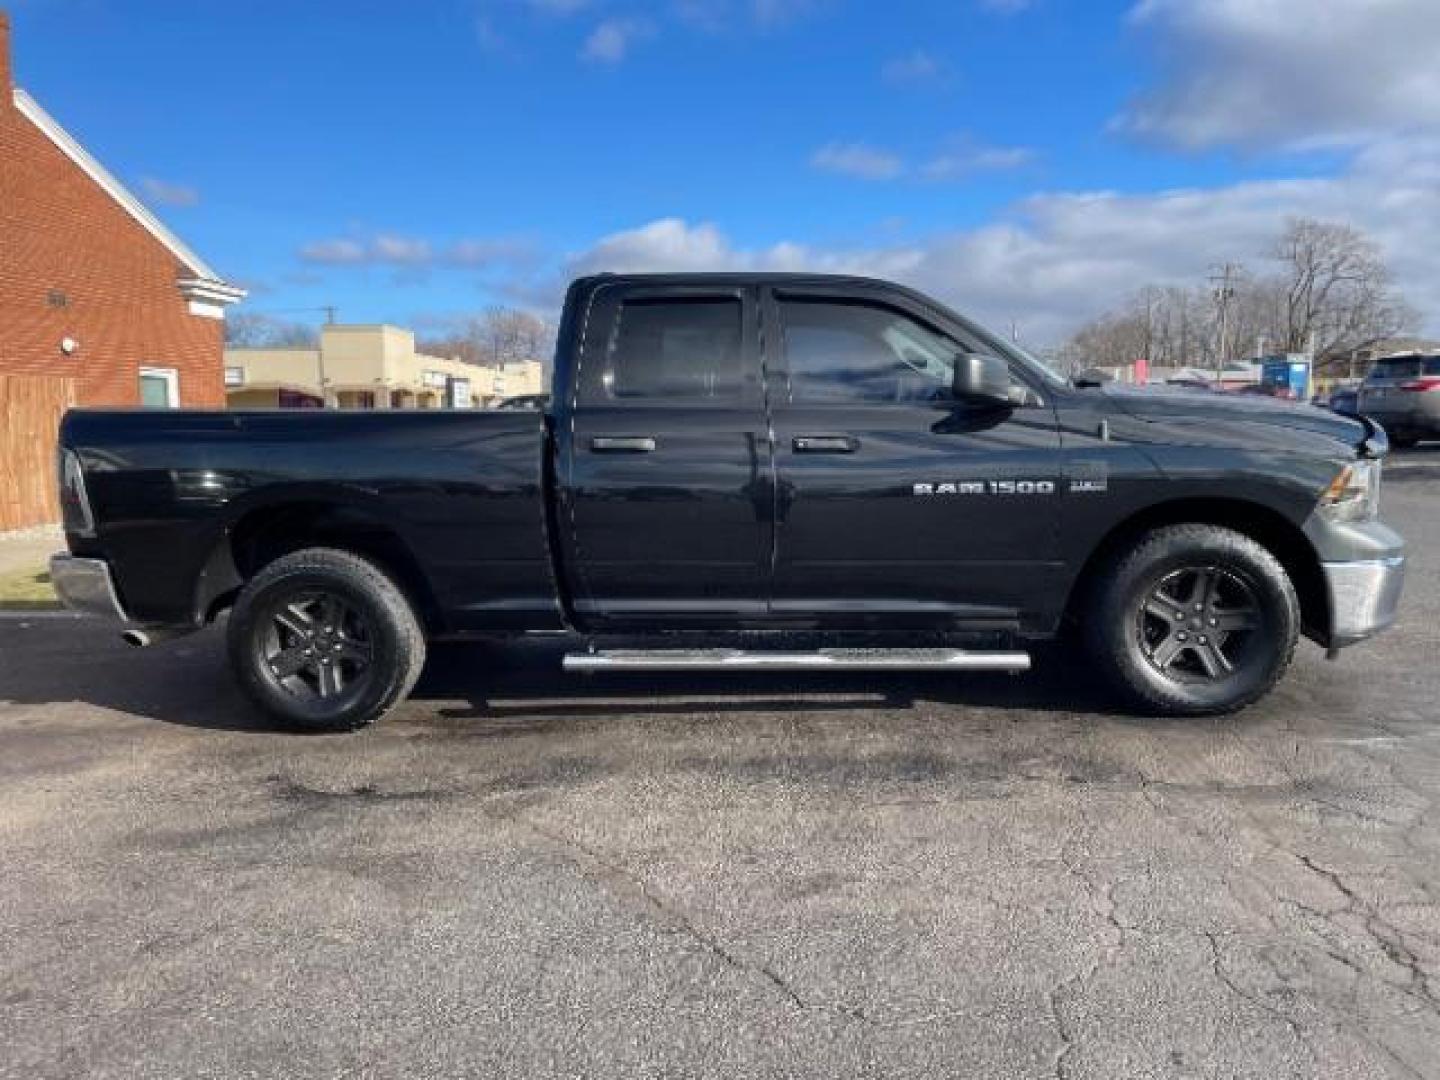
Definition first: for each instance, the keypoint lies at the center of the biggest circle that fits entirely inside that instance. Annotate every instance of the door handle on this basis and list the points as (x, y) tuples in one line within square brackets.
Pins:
[(623, 444), (825, 444)]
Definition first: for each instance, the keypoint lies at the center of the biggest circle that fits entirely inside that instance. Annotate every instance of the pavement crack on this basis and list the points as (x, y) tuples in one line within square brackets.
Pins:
[(669, 915), (1060, 1063), (1389, 939), (1217, 967)]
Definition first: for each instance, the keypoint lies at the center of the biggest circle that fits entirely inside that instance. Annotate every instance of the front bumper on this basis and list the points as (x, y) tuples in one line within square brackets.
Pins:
[(86, 585), (1364, 597)]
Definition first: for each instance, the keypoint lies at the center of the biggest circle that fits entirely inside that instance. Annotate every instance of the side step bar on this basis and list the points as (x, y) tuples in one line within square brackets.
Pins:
[(820, 660)]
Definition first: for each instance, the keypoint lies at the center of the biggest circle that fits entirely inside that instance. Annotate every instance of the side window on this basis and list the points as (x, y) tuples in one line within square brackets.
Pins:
[(675, 348), (837, 352)]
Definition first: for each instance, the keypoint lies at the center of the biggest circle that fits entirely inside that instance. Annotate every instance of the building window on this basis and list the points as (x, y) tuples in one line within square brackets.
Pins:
[(57, 298), (234, 376), (159, 388)]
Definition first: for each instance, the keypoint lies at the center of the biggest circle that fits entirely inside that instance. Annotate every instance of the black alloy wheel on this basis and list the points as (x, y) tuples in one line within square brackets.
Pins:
[(316, 646), (1199, 623)]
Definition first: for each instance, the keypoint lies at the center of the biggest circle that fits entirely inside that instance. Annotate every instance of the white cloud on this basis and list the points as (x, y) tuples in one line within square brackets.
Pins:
[(336, 252), (775, 12), (917, 66), (391, 248), (1298, 73), (610, 42), (396, 250), (1058, 259), (859, 160), (163, 193), (714, 16), (965, 157)]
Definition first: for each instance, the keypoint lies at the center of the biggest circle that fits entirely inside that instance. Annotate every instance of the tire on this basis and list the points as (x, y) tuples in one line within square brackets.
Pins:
[(1144, 632), (323, 640)]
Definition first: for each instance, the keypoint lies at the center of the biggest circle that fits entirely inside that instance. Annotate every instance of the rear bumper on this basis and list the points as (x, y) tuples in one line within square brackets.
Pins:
[(1364, 597), (86, 585), (1418, 417)]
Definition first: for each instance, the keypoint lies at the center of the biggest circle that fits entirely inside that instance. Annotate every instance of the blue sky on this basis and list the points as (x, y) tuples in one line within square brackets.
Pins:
[(1026, 160)]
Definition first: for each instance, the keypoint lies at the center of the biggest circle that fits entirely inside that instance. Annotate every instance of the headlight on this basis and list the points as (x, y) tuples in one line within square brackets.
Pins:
[(1354, 494)]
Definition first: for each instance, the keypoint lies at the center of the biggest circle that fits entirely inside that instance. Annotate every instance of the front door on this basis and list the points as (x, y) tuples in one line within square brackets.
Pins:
[(670, 489), (896, 504)]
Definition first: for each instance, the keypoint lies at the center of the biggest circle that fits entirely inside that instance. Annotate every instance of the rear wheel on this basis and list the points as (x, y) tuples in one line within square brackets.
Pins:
[(1194, 620), (323, 640)]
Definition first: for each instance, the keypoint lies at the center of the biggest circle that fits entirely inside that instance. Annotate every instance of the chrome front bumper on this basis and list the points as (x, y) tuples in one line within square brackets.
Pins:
[(1364, 597), (86, 585)]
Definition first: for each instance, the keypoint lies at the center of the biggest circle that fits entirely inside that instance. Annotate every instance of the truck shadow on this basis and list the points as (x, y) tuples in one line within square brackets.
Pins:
[(485, 689), (507, 689)]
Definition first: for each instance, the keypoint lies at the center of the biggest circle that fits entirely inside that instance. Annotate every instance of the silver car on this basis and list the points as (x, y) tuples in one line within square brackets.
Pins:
[(1402, 394)]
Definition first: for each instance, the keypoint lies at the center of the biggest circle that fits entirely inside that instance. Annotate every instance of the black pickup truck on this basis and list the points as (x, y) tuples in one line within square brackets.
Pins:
[(729, 465)]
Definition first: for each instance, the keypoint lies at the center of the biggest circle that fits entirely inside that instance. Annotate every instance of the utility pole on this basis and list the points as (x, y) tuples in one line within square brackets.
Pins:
[(1224, 281), (329, 310)]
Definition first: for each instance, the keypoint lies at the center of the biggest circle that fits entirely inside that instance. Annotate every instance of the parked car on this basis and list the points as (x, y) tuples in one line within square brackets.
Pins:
[(1402, 393), (525, 401), (772, 454), (1345, 401)]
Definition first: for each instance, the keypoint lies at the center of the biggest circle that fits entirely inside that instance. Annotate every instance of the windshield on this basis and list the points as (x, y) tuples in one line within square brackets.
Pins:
[(1039, 365)]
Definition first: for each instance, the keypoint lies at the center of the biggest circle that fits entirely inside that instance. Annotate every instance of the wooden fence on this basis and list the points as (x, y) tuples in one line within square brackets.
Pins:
[(30, 412)]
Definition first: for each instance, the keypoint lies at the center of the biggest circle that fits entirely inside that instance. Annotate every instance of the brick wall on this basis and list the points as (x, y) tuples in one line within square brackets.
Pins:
[(61, 234)]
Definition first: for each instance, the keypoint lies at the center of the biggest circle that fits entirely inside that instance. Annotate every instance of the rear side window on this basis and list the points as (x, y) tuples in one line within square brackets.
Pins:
[(1405, 367), (675, 348)]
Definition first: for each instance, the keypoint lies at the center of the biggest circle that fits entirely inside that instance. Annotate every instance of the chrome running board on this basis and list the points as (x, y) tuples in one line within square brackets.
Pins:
[(820, 660)]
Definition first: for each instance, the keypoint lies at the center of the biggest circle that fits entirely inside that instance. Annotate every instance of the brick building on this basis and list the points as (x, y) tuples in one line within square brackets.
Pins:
[(100, 303)]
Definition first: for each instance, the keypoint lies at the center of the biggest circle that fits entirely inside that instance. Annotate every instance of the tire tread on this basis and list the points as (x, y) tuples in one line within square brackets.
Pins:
[(1105, 630)]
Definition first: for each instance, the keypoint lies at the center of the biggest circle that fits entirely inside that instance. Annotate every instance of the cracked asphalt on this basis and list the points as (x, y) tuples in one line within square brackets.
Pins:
[(526, 876)]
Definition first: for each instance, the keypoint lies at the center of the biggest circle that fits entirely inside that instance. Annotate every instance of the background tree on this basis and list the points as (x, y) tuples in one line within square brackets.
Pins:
[(1337, 290), (253, 330), (499, 336), (1330, 281)]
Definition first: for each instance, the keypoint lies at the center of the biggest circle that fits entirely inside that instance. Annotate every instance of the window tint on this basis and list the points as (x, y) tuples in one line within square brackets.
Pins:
[(665, 348), (847, 352)]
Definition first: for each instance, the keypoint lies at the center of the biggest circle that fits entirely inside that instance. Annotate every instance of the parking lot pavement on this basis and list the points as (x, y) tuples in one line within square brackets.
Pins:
[(530, 877)]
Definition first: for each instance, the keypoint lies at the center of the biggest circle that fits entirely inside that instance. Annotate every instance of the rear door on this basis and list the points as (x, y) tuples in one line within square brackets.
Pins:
[(896, 504), (670, 488)]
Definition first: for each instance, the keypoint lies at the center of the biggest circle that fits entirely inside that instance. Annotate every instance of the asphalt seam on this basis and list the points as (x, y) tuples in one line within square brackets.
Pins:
[(589, 857)]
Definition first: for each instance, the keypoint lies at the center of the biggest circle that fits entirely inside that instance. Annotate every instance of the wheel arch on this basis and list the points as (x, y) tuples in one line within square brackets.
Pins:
[(258, 535), (1263, 524)]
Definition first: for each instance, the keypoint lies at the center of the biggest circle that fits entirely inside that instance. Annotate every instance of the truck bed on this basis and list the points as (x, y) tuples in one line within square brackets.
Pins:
[(179, 496)]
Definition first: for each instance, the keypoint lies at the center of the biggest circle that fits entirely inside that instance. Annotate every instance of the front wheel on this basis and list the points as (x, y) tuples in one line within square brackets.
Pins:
[(1194, 620), (324, 640)]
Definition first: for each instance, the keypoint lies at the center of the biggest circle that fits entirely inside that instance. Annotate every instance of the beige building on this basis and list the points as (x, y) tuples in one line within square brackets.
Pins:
[(368, 367)]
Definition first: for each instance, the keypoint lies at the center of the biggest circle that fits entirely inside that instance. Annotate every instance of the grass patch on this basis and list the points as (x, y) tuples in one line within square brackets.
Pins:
[(27, 590)]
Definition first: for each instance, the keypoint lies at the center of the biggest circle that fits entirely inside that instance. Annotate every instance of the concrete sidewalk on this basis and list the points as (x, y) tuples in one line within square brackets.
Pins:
[(24, 548)]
